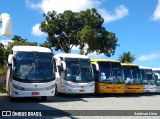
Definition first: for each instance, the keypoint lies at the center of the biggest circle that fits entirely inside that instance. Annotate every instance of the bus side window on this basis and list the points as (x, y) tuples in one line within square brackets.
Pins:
[(95, 72)]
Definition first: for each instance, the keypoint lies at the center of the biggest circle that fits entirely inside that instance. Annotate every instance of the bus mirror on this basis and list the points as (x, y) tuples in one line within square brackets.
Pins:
[(6, 24), (10, 58), (63, 65), (96, 66), (158, 82), (156, 76), (145, 81), (58, 61)]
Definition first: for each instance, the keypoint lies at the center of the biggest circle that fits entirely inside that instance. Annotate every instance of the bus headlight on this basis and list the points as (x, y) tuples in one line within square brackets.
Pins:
[(123, 87), (70, 84), (103, 86), (50, 87), (91, 84), (18, 87)]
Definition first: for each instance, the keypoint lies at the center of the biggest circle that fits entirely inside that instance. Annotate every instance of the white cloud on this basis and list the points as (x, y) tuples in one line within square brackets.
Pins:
[(156, 14), (62, 5), (0, 30), (76, 48), (36, 31), (119, 12), (91, 55), (5, 42), (94, 55), (149, 57)]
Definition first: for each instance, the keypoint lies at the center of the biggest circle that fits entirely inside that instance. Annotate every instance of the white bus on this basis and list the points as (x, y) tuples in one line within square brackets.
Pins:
[(157, 76), (157, 72), (148, 78), (30, 72), (74, 74)]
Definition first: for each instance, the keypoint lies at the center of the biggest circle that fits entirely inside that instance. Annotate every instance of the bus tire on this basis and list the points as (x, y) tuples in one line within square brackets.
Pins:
[(9, 90), (12, 98), (44, 98), (56, 91)]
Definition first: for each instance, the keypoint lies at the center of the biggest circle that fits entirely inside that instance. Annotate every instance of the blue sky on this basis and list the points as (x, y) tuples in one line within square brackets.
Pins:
[(136, 23)]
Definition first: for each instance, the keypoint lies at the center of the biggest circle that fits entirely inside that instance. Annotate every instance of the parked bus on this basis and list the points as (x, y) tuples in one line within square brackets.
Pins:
[(108, 76), (148, 78), (133, 79), (30, 72), (157, 76), (74, 74), (157, 72)]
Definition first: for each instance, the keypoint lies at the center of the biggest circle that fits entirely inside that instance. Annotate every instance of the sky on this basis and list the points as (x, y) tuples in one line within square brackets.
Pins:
[(136, 23)]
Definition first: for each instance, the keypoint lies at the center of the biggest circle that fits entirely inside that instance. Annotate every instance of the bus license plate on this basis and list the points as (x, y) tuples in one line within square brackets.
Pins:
[(81, 90), (35, 93), (147, 90), (113, 91), (133, 90)]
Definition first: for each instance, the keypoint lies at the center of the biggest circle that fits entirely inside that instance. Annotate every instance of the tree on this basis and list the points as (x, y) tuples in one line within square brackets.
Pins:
[(81, 29), (1, 55), (126, 57), (17, 40)]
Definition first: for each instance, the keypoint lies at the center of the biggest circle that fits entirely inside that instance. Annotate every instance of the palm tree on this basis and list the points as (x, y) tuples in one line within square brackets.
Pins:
[(126, 57)]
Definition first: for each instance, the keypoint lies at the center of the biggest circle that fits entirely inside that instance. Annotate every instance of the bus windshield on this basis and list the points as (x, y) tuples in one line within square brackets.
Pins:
[(110, 72), (132, 75), (78, 70), (33, 66), (147, 76)]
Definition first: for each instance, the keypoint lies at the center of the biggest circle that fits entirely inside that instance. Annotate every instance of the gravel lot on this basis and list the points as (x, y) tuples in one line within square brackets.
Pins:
[(64, 103)]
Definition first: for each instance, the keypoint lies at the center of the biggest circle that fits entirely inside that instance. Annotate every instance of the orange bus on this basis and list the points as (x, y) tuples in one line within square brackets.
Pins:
[(133, 78), (108, 76)]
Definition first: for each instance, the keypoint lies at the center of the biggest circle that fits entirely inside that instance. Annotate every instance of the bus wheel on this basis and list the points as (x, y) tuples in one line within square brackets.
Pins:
[(13, 99), (56, 91), (44, 98), (9, 90)]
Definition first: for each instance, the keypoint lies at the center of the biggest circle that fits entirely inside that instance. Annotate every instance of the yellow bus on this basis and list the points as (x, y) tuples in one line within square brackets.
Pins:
[(133, 79), (108, 76)]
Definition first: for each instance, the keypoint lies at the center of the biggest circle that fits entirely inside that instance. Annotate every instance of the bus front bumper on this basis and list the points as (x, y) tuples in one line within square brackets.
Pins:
[(19, 93), (79, 90)]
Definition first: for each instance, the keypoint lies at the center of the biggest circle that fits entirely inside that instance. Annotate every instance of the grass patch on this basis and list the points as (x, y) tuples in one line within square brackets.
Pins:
[(2, 88), (3, 70)]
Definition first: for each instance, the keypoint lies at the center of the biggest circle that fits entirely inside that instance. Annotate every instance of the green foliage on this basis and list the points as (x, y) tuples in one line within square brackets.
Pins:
[(126, 57), (1, 55), (81, 29), (2, 88), (3, 70), (4, 52), (17, 40)]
